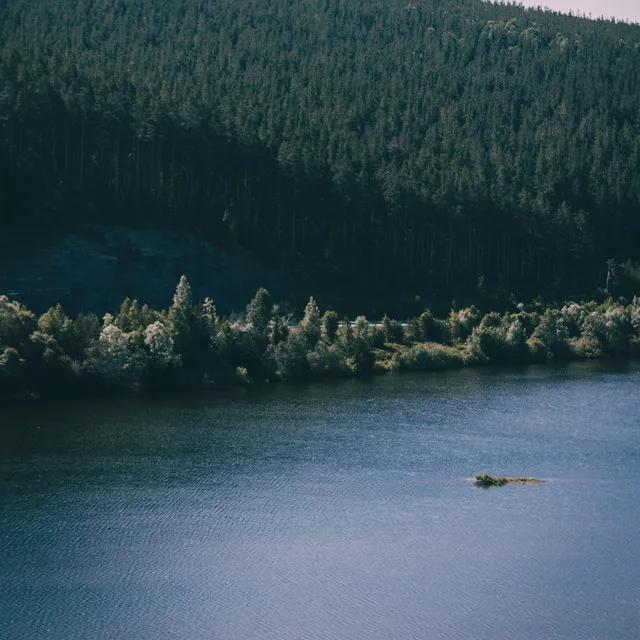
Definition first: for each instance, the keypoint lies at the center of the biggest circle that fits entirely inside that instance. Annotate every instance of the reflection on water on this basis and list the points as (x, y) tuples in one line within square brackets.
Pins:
[(335, 511)]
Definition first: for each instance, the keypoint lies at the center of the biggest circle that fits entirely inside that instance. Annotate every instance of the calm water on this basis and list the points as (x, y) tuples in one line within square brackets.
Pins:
[(335, 511)]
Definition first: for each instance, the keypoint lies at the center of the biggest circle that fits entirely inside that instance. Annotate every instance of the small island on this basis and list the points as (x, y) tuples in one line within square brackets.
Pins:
[(486, 480)]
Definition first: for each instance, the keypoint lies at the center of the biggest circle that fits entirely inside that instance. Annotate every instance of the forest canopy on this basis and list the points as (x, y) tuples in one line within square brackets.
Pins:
[(423, 145)]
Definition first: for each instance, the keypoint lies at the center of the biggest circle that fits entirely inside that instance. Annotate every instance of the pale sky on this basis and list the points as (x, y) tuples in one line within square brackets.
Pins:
[(619, 9)]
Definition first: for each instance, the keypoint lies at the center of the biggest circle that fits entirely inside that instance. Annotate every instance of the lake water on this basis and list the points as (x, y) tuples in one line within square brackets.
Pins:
[(335, 511)]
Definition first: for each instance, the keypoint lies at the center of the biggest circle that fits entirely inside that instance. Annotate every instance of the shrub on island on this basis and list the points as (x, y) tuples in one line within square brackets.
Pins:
[(486, 480)]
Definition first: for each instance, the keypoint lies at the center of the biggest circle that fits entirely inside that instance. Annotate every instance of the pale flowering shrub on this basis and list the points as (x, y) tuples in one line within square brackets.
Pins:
[(113, 349), (516, 333), (158, 340), (574, 316), (463, 322), (499, 340), (113, 338), (609, 329), (634, 315), (16, 323), (618, 330), (552, 331), (117, 356)]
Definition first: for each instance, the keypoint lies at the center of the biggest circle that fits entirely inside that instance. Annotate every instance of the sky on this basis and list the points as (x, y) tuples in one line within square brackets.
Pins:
[(619, 9)]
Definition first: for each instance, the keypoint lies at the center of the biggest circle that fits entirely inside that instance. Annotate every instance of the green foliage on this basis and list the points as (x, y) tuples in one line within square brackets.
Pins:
[(574, 316), (356, 345), (259, 313), (228, 345), (345, 333), (414, 330), (529, 321), (491, 321), (554, 334), (608, 330), (432, 329), (133, 317), (429, 356), (182, 316), (538, 351), (279, 330), (112, 359), (48, 367), (489, 344), (487, 480), (55, 322), (516, 339), (12, 372), (392, 330), (329, 328), (634, 315), (161, 348), (74, 336), (189, 330), (209, 318), (84, 332), (500, 340), (16, 324), (190, 345), (462, 323), (328, 361), (311, 325), (291, 357)]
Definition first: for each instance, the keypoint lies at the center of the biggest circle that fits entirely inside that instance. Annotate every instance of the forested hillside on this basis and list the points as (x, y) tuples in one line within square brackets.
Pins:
[(418, 146)]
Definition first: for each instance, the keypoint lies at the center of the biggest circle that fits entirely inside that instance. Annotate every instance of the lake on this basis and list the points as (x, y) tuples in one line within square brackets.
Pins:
[(335, 511)]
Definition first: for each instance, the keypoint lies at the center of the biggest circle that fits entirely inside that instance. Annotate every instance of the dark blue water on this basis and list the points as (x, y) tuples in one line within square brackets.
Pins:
[(336, 511)]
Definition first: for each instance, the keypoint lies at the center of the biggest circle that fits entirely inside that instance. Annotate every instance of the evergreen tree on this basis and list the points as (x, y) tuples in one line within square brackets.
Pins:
[(330, 325), (259, 313), (311, 325)]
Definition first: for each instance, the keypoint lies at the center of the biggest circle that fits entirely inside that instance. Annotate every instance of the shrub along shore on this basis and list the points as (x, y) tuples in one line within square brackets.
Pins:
[(189, 345)]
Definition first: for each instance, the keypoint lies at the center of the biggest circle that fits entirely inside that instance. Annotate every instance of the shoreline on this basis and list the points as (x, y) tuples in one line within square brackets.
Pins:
[(157, 395), (189, 348)]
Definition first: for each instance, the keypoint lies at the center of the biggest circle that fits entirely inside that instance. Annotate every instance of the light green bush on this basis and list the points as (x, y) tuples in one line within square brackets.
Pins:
[(429, 356)]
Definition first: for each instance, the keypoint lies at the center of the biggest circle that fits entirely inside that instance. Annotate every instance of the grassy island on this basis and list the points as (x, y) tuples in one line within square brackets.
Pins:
[(486, 480)]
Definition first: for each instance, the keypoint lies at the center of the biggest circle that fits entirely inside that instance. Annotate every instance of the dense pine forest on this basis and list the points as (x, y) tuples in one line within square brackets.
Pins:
[(418, 146)]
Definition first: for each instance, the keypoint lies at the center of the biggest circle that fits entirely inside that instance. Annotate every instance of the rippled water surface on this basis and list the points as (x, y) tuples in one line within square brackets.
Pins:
[(335, 511)]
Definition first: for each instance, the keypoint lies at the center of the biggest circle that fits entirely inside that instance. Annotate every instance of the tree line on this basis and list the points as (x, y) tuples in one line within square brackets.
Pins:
[(403, 145), (190, 346)]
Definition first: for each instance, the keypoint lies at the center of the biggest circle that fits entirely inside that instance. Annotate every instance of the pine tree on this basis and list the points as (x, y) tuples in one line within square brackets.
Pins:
[(311, 325), (330, 325), (259, 313)]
